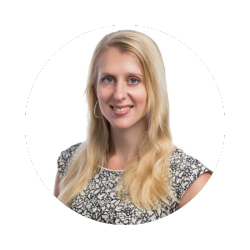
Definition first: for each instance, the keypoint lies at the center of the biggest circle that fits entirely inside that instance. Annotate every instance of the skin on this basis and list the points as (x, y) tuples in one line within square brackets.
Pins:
[(56, 187), (120, 81)]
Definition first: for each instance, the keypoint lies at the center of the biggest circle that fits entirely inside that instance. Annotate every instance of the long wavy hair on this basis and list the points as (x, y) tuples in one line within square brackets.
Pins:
[(145, 180)]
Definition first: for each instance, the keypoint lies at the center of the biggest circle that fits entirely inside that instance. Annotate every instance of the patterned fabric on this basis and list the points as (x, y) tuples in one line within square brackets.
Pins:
[(100, 202)]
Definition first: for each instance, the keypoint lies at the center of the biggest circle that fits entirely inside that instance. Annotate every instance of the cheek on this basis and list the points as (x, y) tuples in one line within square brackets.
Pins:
[(141, 99), (102, 94)]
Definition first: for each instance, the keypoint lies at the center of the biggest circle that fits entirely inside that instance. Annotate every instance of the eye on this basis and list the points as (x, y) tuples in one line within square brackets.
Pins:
[(108, 79), (133, 80)]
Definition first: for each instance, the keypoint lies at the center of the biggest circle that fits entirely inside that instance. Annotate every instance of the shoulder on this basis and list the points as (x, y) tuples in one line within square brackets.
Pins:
[(194, 189), (65, 158), (184, 170)]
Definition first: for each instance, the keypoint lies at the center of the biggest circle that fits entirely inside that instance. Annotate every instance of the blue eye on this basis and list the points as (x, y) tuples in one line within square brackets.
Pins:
[(134, 80), (108, 79)]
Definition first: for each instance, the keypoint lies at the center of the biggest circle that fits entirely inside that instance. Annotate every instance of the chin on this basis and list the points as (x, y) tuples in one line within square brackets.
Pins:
[(121, 125)]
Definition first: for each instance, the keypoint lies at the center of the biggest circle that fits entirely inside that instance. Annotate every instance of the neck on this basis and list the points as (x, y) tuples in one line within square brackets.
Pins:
[(124, 144)]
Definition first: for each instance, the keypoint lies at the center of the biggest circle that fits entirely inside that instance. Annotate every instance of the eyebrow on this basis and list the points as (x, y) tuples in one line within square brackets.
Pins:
[(129, 73)]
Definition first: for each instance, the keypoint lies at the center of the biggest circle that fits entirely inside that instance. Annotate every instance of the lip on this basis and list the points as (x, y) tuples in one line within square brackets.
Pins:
[(120, 113), (121, 106)]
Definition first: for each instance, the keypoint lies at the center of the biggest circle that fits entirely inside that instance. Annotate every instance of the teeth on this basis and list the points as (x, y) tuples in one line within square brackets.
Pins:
[(122, 109)]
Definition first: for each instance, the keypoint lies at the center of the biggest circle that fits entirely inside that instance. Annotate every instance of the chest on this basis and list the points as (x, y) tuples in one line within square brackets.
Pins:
[(99, 201), (114, 164)]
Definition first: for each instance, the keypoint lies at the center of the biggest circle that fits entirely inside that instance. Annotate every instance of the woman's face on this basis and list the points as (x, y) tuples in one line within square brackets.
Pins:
[(121, 90)]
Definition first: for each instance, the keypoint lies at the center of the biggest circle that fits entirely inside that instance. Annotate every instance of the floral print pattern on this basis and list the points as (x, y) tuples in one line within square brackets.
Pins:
[(99, 201)]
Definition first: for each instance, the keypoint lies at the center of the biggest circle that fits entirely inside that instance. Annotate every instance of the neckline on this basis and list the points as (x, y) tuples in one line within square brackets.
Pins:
[(122, 170), (113, 170)]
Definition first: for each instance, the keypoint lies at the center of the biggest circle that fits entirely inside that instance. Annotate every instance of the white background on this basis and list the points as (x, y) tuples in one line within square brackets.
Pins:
[(56, 110)]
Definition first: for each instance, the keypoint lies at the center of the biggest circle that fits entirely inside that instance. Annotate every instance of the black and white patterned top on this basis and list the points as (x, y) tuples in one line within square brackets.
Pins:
[(99, 201)]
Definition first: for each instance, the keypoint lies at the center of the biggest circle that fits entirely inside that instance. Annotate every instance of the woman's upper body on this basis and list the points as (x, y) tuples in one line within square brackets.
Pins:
[(99, 201), (129, 147)]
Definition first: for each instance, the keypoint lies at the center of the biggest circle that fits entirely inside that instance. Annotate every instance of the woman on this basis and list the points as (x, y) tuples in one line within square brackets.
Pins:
[(127, 171)]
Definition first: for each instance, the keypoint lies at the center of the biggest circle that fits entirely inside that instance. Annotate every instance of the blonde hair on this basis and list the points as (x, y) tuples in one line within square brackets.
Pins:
[(146, 176)]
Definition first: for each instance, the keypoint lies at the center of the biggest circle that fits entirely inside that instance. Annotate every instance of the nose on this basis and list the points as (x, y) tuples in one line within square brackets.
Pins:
[(120, 91)]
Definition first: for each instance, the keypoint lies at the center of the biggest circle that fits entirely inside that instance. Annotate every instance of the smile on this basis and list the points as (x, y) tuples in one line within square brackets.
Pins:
[(121, 111)]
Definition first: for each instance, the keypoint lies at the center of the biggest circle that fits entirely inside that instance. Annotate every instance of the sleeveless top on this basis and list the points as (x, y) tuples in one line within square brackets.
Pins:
[(99, 201)]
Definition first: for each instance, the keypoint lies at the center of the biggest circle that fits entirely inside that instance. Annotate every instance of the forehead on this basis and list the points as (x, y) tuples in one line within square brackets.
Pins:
[(116, 61)]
